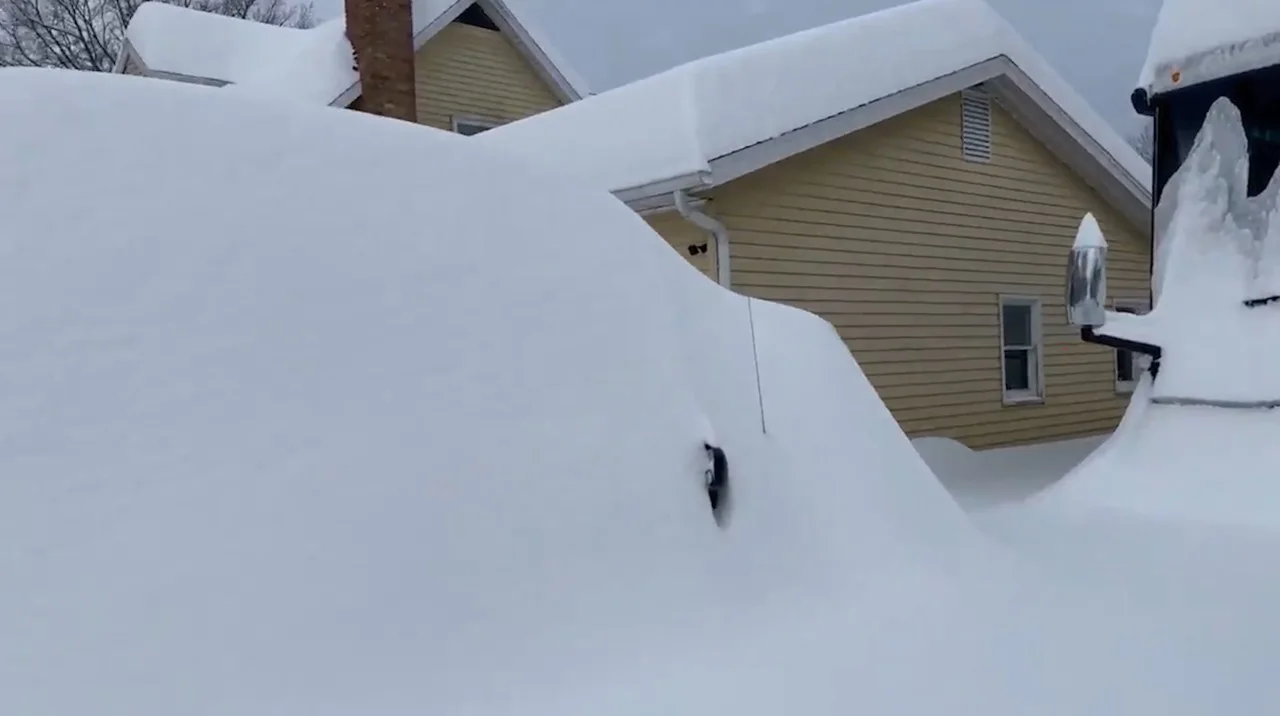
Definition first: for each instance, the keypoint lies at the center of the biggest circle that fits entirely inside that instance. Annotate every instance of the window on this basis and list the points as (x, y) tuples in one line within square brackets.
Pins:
[(470, 125), (1129, 365), (1021, 350), (975, 125)]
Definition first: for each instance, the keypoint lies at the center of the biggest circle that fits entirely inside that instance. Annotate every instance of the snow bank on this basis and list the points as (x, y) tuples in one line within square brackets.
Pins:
[(183, 41), (367, 438), (1197, 444), (1205, 39), (675, 123), (399, 434), (1219, 249)]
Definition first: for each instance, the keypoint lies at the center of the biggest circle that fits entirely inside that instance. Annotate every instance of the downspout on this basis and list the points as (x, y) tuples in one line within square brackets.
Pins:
[(708, 224)]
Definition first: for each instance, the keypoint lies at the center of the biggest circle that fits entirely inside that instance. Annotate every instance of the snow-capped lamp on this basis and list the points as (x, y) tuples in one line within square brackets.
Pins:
[(1086, 298)]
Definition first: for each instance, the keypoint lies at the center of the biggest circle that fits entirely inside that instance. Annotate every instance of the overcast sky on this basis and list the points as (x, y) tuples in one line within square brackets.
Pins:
[(1097, 45)]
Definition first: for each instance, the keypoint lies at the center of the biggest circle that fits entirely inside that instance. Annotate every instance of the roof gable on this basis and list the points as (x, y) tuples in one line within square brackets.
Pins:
[(315, 64), (714, 119)]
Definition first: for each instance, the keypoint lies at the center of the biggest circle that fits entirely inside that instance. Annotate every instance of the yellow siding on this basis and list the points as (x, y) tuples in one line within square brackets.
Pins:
[(469, 71), (681, 235), (905, 248)]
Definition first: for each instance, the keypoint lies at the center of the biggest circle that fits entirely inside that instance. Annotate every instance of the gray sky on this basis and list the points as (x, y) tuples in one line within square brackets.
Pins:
[(1097, 45)]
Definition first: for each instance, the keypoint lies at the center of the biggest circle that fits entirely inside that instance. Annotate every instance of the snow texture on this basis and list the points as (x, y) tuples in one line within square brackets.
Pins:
[(674, 124), (183, 41), (314, 71), (1089, 234), (1218, 249), (400, 434), (1203, 40)]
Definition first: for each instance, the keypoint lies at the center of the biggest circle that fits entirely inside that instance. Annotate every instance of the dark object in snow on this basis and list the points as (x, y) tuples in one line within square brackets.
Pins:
[(717, 479), (1255, 302)]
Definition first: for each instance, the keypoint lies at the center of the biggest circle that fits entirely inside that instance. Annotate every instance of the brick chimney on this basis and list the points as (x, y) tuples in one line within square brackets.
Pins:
[(381, 33)]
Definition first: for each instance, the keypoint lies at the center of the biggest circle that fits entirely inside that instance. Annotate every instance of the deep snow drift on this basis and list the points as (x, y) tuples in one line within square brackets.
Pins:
[(310, 412), (1218, 256), (1182, 499)]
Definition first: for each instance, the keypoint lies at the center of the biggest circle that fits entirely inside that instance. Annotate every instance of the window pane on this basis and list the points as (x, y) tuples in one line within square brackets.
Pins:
[(1017, 324), (1124, 366), (1017, 369)]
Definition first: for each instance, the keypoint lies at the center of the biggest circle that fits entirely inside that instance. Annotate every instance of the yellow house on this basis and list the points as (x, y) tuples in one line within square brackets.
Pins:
[(914, 176), (478, 63)]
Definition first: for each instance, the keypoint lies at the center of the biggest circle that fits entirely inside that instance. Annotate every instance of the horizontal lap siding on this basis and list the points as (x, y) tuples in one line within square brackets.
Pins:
[(905, 248), (469, 71), (681, 234)]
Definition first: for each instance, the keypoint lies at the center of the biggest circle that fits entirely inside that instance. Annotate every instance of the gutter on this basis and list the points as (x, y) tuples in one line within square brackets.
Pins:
[(718, 231)]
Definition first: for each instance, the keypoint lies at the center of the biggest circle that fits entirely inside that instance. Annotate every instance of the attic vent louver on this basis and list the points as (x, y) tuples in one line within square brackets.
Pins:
[(975, 125)]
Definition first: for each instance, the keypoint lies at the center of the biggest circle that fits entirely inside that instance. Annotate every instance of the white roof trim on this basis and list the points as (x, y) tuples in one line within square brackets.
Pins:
[(1055, 128), (732, 166), (127, 53), (567, 85)]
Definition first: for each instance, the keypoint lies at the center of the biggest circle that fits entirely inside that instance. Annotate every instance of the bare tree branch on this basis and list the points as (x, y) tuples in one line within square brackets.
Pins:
[(89, 34), (1144, 141)]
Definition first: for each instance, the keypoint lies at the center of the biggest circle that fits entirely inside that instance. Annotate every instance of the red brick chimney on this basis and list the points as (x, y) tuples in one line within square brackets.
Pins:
[(381, 33)]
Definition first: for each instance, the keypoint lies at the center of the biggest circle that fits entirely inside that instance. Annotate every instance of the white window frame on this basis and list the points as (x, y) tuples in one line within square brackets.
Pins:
[(1139, 361), (460, 120), (1036, 393)]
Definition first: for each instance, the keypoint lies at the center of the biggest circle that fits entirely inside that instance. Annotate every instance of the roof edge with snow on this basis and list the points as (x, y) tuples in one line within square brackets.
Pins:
[(680, 114), (1016, 92), (525, 36), (1206, 66)]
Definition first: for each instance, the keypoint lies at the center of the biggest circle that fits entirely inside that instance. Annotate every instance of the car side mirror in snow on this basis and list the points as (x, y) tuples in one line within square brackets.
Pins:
[(1086, 295), (717, 483)]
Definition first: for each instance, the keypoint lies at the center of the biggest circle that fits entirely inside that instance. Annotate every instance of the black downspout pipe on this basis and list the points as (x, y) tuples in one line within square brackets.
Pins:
[(1124, 344)]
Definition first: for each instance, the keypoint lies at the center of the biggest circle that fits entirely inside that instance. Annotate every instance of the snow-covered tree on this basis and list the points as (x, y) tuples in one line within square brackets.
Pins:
[(87, 34)]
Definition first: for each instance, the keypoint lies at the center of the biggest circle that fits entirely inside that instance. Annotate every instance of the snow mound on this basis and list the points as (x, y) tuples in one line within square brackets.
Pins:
[(314, 70), (1202, 40), (1197, 443), (1196, 464), (1217, 271), (674, 124), (312, 411)]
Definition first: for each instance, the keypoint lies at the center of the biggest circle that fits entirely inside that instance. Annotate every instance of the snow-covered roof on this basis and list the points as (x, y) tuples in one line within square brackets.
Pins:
[(680, 122), (314, 71), (180, 41), (1201, 40), (313, 65)]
